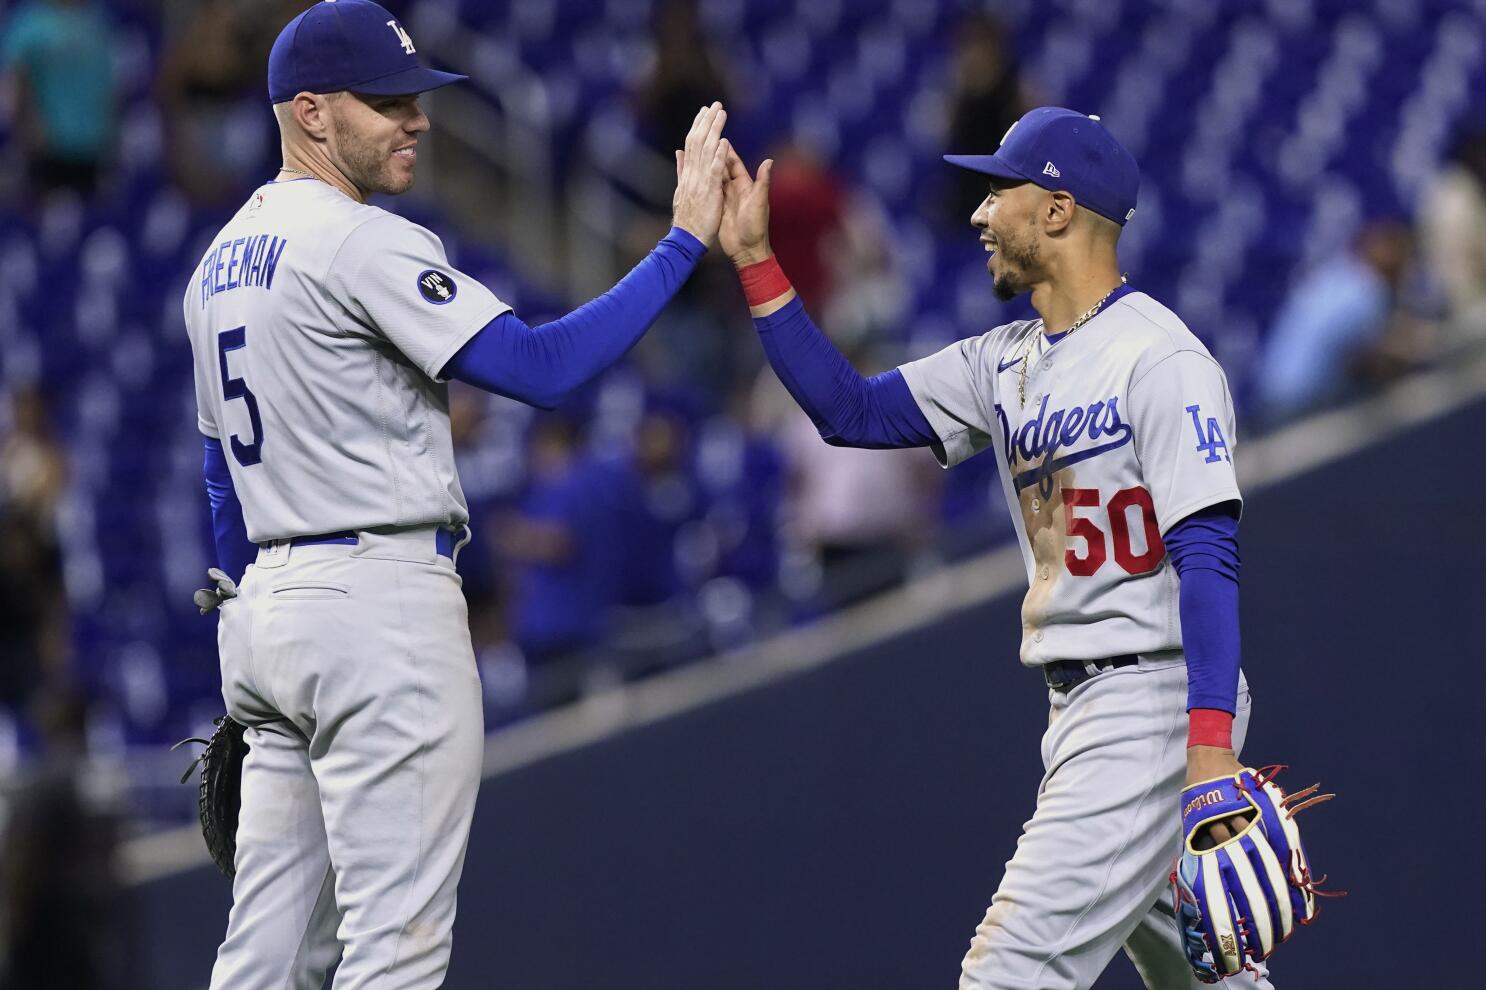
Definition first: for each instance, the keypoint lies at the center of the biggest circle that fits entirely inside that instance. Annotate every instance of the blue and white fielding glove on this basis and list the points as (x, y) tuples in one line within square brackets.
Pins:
[(1238, 900)]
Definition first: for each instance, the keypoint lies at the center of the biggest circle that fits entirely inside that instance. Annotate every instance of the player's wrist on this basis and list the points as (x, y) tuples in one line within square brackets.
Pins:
[(1210, 727), (684, 238), (746, 257), (763, 280), (691, 229)]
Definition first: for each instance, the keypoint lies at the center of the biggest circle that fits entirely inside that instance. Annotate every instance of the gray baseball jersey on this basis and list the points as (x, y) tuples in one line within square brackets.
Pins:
[(1127, 429), (319, 326)]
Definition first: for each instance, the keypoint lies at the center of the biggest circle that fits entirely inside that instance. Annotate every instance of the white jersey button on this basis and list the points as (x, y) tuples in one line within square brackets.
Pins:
[(1037, 636), (1044, 572), (1036, 504)]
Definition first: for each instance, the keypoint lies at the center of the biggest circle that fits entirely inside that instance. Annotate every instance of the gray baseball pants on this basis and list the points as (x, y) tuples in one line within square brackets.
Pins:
[(353, 668), (1090, 872)]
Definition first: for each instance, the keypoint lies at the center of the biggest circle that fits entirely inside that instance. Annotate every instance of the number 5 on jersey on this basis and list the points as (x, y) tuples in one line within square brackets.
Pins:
[(247, 454)]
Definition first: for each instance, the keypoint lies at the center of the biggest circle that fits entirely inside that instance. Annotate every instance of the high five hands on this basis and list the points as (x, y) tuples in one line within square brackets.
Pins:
[(716, 199)]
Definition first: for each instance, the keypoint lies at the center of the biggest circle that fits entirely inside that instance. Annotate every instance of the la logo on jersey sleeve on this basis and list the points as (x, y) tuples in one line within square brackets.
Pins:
[(1210, 438)]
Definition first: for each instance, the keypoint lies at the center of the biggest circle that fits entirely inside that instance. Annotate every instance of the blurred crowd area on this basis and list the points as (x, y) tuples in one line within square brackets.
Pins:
[(1313, 205)]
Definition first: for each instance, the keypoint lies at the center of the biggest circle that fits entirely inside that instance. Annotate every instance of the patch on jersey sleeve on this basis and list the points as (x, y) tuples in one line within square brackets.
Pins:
[(436, 287), (1209, 441)]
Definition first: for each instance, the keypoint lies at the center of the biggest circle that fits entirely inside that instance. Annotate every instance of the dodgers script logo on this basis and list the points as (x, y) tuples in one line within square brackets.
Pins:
[(1048, 432)]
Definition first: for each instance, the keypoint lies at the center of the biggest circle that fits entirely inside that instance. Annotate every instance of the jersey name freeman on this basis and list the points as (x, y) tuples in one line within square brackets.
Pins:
[(240, 262)]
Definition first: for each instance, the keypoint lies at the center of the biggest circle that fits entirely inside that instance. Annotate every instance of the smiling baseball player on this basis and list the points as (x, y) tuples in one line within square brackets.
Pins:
[(1114, 430), (324, 330)]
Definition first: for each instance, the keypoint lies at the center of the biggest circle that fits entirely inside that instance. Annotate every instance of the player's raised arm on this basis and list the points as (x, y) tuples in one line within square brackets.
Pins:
[(848, 409), (543, 365)]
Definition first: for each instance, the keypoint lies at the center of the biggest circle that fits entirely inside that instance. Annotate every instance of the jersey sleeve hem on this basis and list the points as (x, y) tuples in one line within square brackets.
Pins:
[(954, 443), (208, 430), (458, 340), (1171, 516)]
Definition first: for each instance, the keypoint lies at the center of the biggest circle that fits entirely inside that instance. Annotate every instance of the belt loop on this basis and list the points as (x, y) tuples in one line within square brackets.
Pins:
[(459, 544), (274, 553)]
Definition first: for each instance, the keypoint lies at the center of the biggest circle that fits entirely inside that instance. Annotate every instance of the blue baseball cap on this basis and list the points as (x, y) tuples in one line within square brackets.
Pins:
[(1057, 148), (348, 44)]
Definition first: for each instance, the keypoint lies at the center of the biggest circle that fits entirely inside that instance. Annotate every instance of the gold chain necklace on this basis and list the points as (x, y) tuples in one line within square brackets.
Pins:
[(297, 171), (1093, 311)]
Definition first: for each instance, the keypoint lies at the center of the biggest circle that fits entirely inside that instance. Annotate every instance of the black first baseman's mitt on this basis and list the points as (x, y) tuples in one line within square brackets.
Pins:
[(220, 793)]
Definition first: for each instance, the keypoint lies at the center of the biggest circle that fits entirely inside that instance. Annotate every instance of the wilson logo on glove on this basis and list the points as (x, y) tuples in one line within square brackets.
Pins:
[(1202, 801), (1238, 900)]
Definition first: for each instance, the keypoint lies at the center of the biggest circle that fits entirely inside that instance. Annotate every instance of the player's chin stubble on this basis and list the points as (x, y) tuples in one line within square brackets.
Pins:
[(367, 168), (1016, 261)]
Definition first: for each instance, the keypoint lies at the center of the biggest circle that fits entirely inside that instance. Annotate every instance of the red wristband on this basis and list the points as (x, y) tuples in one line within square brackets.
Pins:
[(1209, 727), (763, 282)]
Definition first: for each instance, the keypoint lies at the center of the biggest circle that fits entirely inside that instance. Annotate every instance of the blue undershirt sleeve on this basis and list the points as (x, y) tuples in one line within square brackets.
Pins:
[(1204, 550), (234, 550), (543, 365), (848, 409)]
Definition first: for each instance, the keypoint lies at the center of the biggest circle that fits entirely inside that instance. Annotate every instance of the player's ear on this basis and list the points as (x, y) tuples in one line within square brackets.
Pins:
[(311, 111), (1058, 212)]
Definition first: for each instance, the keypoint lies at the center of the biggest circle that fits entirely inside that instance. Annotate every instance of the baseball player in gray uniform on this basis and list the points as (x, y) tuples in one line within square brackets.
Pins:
[(324, 330), (1113, 427)]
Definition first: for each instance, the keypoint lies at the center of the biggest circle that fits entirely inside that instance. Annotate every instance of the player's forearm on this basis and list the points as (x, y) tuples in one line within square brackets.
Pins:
[(234, 550), (1204, 551), (543, 365), (848, 409)]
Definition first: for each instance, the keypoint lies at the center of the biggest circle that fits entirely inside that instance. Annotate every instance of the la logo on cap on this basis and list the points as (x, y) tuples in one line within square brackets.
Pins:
[(403, 38)]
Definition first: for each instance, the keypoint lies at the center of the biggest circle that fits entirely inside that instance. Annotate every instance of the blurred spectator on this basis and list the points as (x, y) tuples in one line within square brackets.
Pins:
[(869, 295), (57, 57), (664, 498), (687, 72), (702, 344), (32, 611), (1341, 324), (33, 466), (561, 542), (808, 202), (486, 431), (32, 601), (61, 918), (220, 137), (988, 98), (741, 471), (1452, 227), (834, 240), (860, 520)]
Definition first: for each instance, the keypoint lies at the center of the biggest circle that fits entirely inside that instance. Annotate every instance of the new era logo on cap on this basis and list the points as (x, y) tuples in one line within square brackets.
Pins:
[(1051, 169)]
